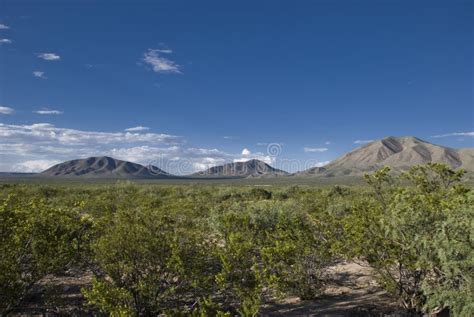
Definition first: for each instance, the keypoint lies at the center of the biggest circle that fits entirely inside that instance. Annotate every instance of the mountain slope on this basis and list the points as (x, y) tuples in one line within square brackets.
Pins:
[(400, 153), (103, 167), (252, 168)]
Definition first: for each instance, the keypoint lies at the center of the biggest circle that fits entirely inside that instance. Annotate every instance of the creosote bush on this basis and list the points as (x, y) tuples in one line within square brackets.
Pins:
[(227, 250), (418, 237)]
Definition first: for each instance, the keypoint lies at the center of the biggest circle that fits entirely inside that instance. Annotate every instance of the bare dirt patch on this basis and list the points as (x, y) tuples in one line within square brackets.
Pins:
[(57, 295), (351, 290)]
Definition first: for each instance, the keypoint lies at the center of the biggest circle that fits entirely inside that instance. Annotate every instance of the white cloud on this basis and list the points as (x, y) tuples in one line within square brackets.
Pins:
[(48, 111), (6, 110), (34, 166), (48, 133), (363, 141), (320, 164), (137, 129), (25, 148), (280, 144), (160, 64), (206, 163), (317, 149), (165, 51), (247, 155), (246, 152), (144, 154), (4, 27), (229, 137), (175, 159), (257, 156), (49, 56), (46, 142), (39, 74), (327, 142), (5, 41), (470, 134)]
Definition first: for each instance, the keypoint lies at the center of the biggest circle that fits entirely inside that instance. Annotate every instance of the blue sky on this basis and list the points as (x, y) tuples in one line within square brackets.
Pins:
[(217, 81)]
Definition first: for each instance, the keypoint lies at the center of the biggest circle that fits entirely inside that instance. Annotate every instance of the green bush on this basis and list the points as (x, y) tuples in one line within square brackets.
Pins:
[(37, 239), (226, 250), (150, 259), (418, 237)]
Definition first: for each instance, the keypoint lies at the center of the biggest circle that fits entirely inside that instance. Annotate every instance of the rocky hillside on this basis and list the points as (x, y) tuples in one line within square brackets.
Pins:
[(400, 153), (252, 168), (103, 167)]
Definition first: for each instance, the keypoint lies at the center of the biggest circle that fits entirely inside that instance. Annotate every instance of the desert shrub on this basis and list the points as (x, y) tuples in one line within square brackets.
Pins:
[(338, 190), (150, 259), (259, 194), (240, 276), (294, 255), (268, 246), (452, 256), (225, 250), (407, 234), (37, 239)]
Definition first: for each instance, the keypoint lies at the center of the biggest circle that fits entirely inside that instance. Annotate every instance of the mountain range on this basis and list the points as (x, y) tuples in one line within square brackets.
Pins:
[(251, 168), (400, 153), (103, 167)]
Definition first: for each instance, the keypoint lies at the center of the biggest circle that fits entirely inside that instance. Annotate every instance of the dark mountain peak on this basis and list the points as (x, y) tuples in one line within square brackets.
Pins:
[(250, 168), (103, 167)]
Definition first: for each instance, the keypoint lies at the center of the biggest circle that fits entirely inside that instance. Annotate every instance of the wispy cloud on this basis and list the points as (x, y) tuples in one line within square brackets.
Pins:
[(175, 159), (32, 166), (323, 163), (46, 132), (137, 129), (230, 137), (4, 27), (35, 147), (39, 74), (160, 64), (49, 56), (315, 149), (165, 51), (470, 134), (363, 141), (246, 152), (48, 111), (247, 155), (327, 142), (44, 141), (269, 143), (6, 110), (32, 148), (5, 41)]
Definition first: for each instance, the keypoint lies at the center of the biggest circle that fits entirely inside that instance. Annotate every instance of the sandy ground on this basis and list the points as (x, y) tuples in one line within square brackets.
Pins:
[(350, 290), (64, 297)]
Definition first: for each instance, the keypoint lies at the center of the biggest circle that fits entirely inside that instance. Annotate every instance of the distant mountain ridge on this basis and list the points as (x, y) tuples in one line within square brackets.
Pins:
[(251, 168), (103, 167), (400, 153)]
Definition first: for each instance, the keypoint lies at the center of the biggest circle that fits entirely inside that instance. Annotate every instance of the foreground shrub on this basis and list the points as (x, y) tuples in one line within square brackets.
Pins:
[(268, 246), (222, 250), (36, 239), (417, 237), (148, 261)]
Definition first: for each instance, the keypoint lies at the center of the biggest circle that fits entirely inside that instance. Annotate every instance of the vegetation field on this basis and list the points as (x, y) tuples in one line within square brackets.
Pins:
[(226, 249)]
